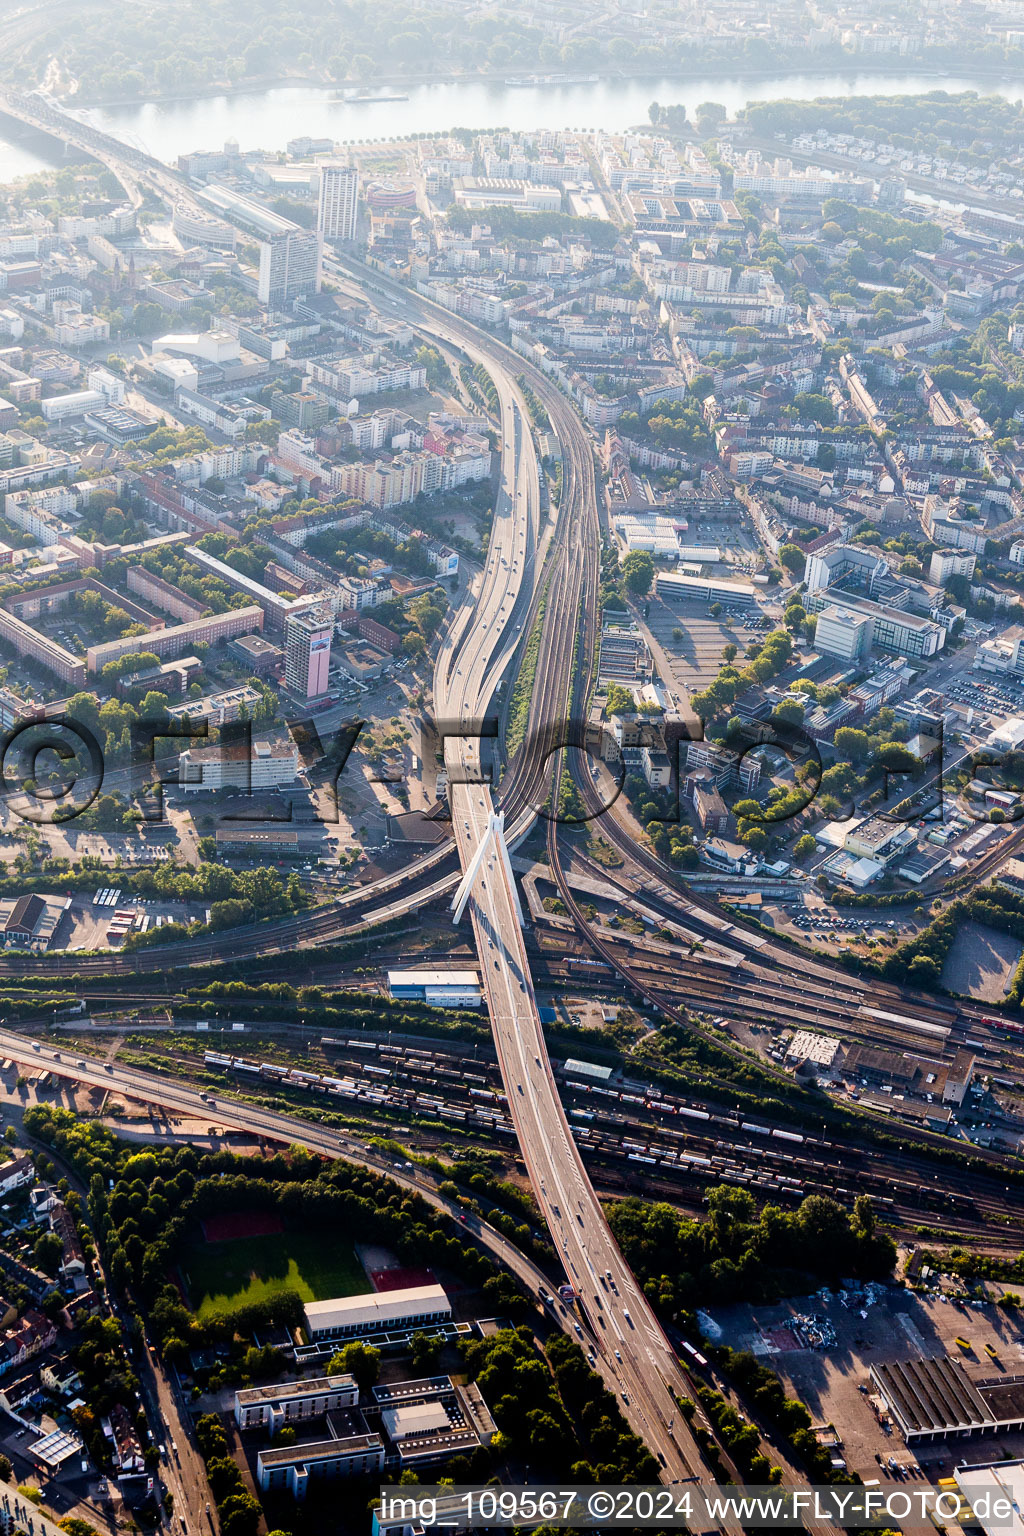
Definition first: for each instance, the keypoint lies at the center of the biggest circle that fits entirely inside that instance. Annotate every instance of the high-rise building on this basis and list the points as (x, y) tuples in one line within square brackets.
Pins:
[(289, 267), (289, 254), (339, 194), (308, 651)]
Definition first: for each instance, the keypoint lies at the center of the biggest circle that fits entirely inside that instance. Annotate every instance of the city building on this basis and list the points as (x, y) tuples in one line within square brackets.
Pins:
[(950, 561), (232, 765), (176, 639), (307, 652), (289, 255), (892, 629), (27, 641), (839, 632), (338, 201)]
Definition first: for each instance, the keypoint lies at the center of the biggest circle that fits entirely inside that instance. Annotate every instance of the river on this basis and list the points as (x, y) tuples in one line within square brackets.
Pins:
[(267, 119)]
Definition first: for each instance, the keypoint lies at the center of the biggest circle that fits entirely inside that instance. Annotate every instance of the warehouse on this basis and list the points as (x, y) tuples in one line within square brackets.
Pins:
[(375, 1312), (439, 989), (936, 1400)]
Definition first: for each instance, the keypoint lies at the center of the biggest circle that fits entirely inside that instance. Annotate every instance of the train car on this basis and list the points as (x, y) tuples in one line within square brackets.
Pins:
[(692, 1114), (787, 1136), (250, 1068), (213, 1059), (695, 1355), (361, 1045), (378, 1071), (749, 1125), (921, 1026)]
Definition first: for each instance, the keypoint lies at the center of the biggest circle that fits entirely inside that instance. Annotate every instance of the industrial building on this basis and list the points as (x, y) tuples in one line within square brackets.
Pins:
[(31, 921), (937, 1400), (438, 989), (350, 1316)]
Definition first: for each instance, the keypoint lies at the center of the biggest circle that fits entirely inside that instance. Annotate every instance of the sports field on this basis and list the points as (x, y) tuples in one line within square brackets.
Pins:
[(220, 1276)]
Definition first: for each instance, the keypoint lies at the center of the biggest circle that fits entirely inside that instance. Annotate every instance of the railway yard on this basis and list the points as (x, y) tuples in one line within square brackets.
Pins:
[(635, 1136)]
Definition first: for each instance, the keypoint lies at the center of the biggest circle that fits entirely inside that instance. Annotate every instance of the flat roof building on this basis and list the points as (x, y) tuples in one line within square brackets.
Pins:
[(293, 1467), (176, 638), (375, 1312), (708, 589), (274, 1406), (437, 988)]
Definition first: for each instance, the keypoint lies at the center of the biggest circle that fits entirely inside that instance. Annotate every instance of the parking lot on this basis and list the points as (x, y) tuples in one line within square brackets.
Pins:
[(691, 639), (889, 1324)]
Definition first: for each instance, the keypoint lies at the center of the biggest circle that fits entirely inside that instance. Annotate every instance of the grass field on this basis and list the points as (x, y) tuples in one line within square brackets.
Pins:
[(221, 1276)]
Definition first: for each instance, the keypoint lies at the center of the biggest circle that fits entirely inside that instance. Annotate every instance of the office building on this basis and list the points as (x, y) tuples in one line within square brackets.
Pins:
[(842, 633), (289, 267), (269, 765), (289, 255), (339, 195), (892, 629), (307, 652)]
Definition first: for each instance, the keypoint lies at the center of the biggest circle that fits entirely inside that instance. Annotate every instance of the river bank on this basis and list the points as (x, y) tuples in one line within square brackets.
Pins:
[(267, 118), (550, 79)]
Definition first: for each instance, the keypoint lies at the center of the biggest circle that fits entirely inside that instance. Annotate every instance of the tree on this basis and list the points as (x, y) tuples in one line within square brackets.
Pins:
[(638, 572), (793, 558), (852, 743), (46, 1255), (359, 1360), (729, 652), (804, 847), (424, 1352)]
